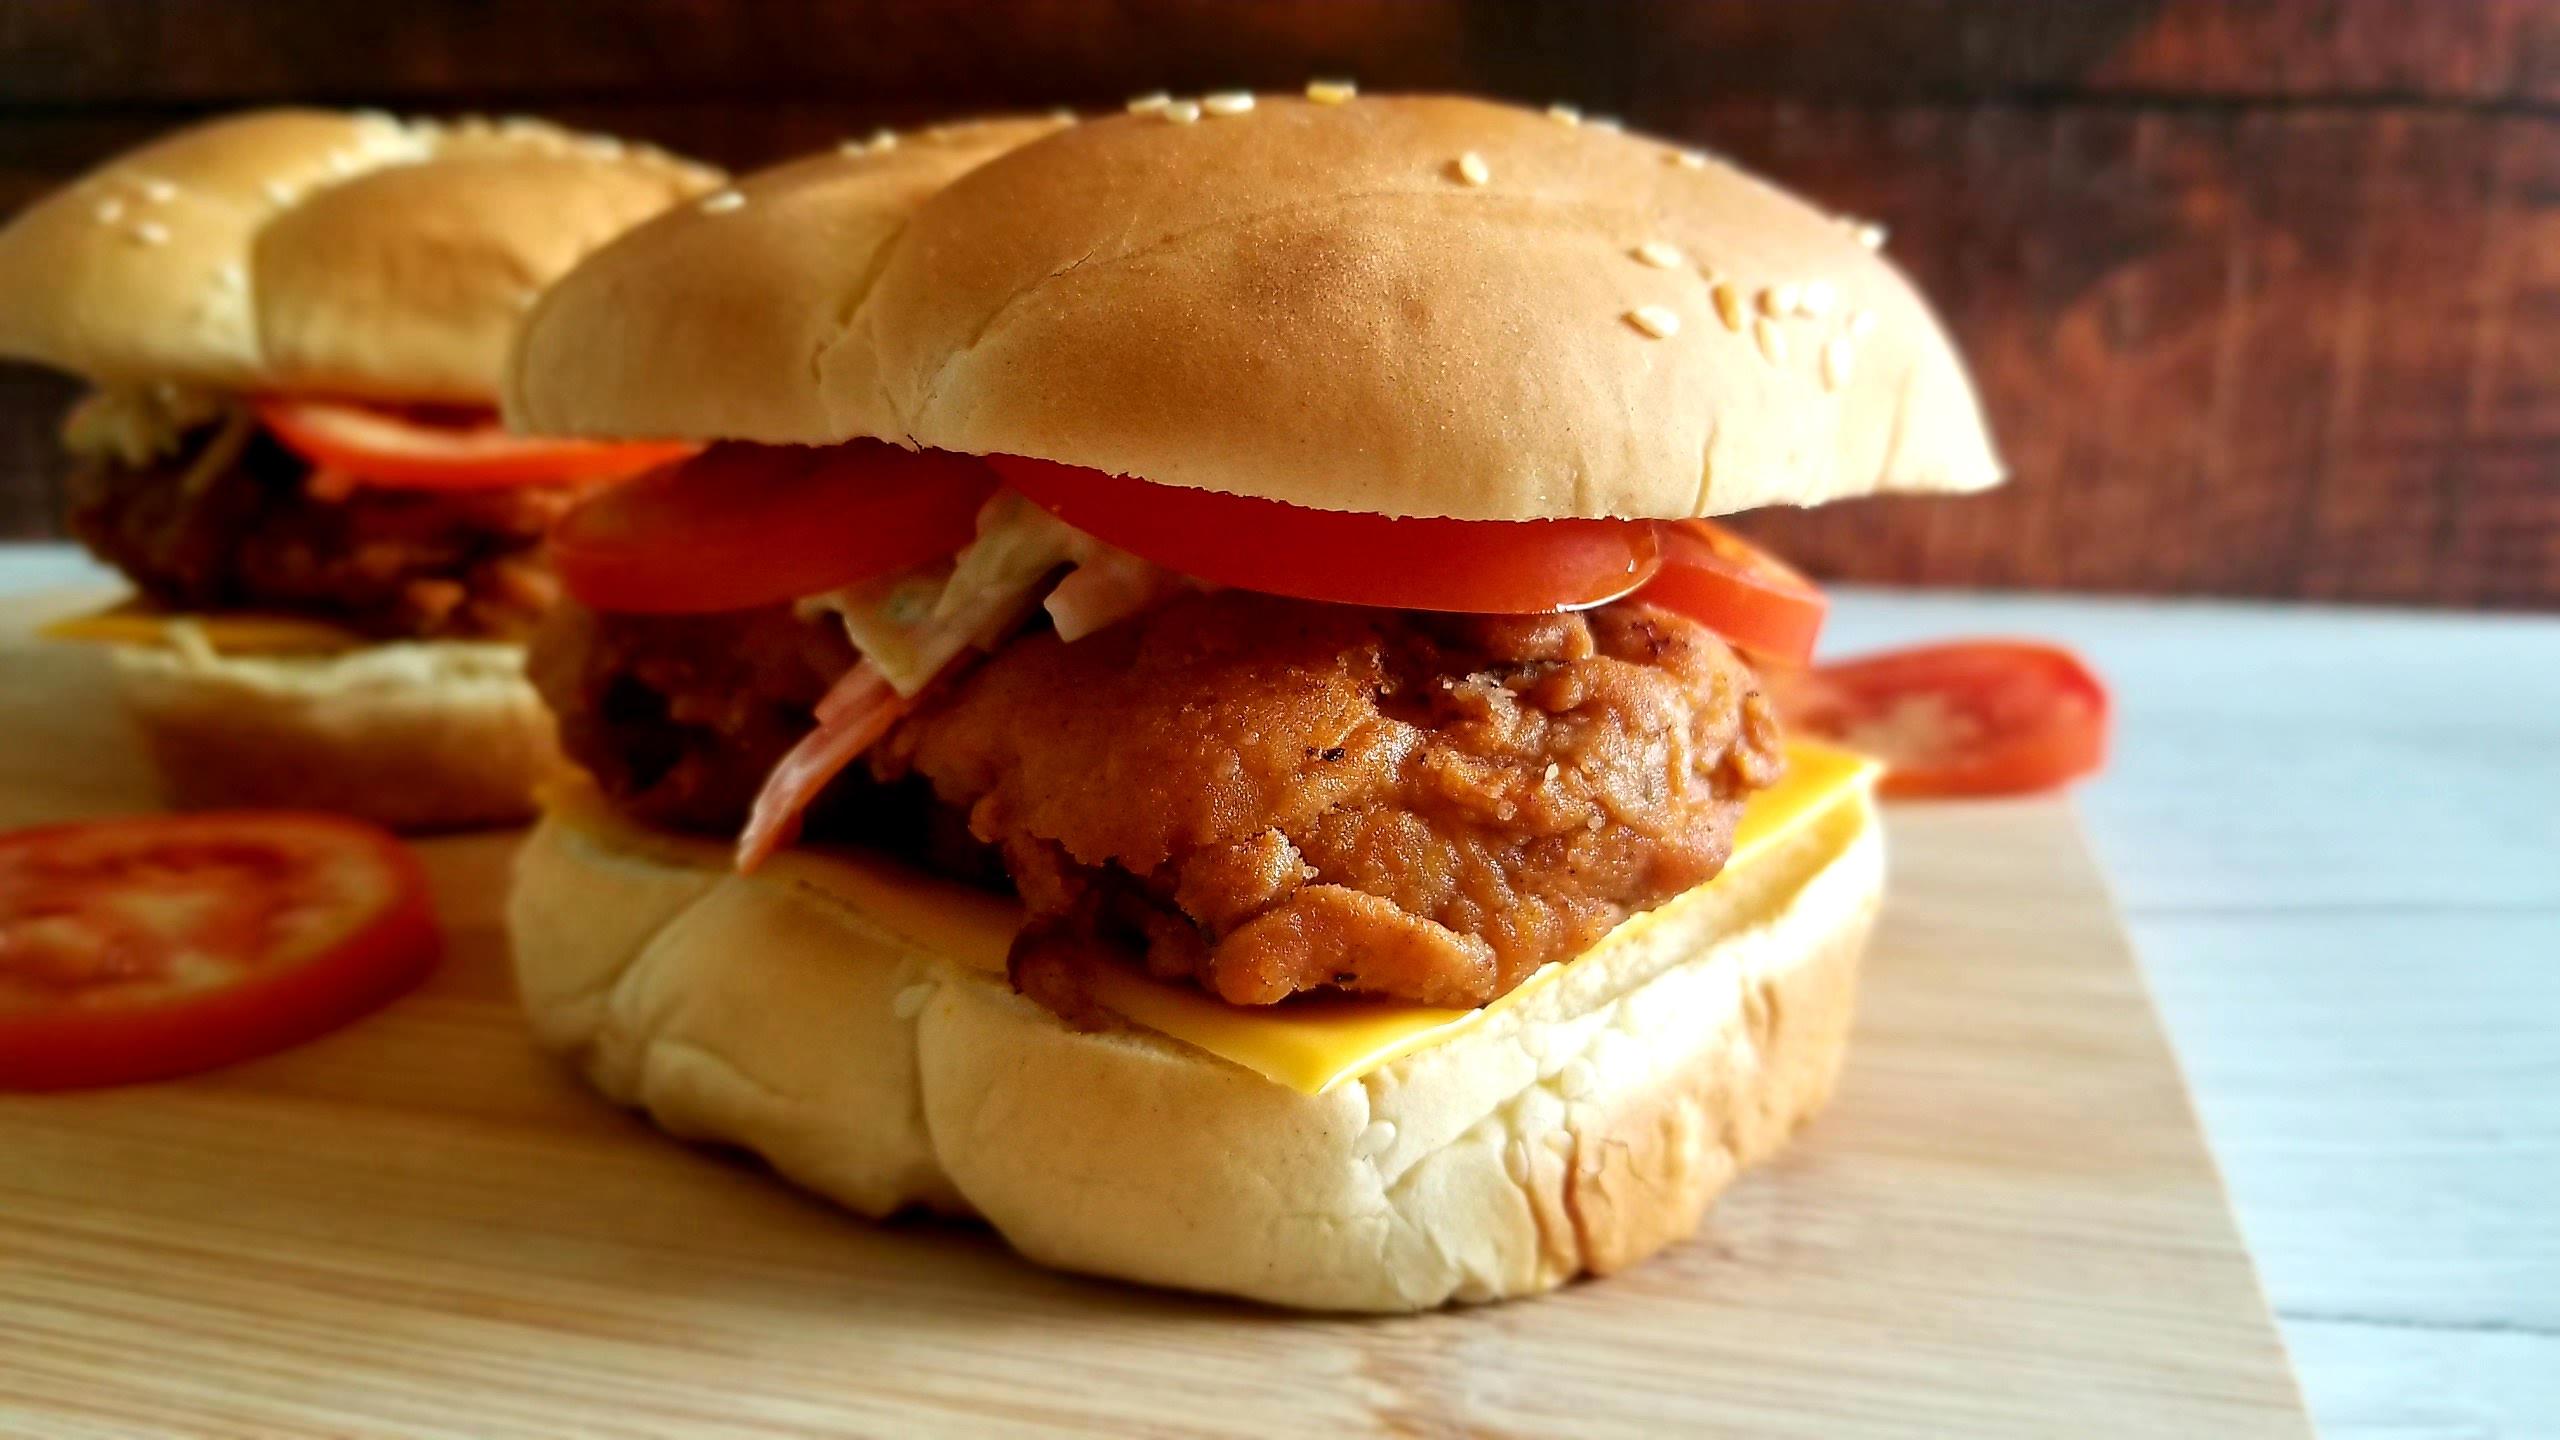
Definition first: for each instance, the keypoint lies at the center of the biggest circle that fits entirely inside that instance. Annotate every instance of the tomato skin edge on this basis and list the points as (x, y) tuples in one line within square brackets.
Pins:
[(1161, 523), (617, 550), (394, 951), (2071, 741), (302, 425)]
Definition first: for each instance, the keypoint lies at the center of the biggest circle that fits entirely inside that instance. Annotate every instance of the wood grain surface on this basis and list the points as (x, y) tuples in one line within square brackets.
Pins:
[(2006, 1226), (2263, 293)]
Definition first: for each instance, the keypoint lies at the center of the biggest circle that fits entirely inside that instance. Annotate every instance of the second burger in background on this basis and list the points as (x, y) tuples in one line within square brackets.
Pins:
[(294, 322)]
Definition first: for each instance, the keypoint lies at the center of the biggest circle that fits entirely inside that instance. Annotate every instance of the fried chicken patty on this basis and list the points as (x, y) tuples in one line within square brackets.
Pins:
[(680, 717), (1272, 796), (230, 523), (1268, 796)]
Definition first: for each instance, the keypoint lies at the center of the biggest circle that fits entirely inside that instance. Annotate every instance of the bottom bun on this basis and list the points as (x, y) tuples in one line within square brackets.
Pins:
[(831, 1026), (416, 735)]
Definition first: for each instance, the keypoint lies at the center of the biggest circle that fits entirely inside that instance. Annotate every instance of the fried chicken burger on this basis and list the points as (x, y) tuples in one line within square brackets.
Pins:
[(294, 322), (1189, 709)]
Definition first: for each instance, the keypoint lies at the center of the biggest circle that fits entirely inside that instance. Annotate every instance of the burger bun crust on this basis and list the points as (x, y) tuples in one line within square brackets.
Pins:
[(1318, 304), (1577, 1131)]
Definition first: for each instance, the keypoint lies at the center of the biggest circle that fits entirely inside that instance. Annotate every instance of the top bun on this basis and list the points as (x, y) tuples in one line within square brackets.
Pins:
[(1406, 305), (319, 251), (705, 323)]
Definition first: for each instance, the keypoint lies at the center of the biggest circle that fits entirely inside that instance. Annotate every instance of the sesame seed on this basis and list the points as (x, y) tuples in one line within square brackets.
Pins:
[(341, 163), (231, 277), (1687, 159), (1228, 102), (1564, 113), (1553, 770), (279, 193), (110, 210), (1860, 323), (1183, 112), (1779, 301), (1471, 168), (1660, 254), (1871, 235), (1605, 122), (722, 202), (1063, 115), (1836, 354), (151, 232), (601, 147), (883, 139), (1658, 321), (1150, 103), (1728, 305), (1816, 299), (1331, 92), (158, 191), (1773, 341)]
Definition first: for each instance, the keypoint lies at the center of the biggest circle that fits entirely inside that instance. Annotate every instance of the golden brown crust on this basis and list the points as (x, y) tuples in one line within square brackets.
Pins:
[(849, 1031), (317, 249), (1313, 303), (421, 736)]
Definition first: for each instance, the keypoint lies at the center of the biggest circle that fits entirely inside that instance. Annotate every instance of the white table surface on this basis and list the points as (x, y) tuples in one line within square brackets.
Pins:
[(2335, 835)]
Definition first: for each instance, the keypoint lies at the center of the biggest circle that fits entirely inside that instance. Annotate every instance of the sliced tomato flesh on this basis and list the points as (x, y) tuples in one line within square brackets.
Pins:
[(1515, 567), (153, 947), (407, 450), (1971, 717), (742, 525), (1738, 590)]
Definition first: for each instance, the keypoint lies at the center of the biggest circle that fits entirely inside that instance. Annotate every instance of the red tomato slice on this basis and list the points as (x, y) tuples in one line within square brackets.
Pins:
[(1973, 717), (1512, 567), (159, 946), (382, 447), (1738, 590), (742, 525)]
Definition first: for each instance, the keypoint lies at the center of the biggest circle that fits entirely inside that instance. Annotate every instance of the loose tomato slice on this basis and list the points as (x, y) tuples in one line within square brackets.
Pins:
[(387, 448), (1488, 566), (742, 525), (159, 946), (1738, 590), (1973, 717)]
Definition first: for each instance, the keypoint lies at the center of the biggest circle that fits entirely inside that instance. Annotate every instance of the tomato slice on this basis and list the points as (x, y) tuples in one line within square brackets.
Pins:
[(387, 448), (742, 525), (1972, 717), (1738, 590), (1515, 567), (159, 946)]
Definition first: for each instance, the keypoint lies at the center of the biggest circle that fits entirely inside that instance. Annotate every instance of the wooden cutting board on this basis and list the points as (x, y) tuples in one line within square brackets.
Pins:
[(2007, 1225)]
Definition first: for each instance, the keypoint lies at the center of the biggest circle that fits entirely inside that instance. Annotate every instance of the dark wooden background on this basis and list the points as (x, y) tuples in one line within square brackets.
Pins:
[(2264, 294)]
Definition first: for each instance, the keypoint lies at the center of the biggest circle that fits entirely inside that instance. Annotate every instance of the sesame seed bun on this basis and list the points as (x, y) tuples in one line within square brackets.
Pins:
[(318, 251), (1407, 305), (707, 327), (816, 1018)]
